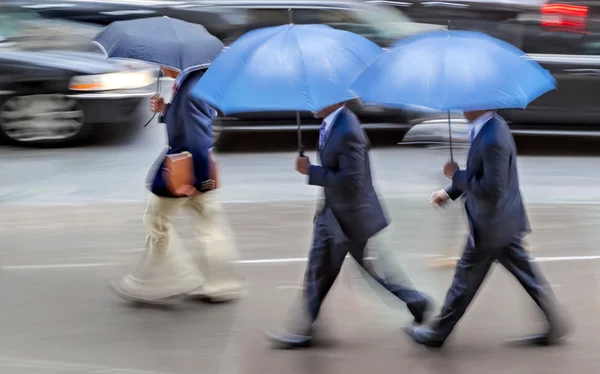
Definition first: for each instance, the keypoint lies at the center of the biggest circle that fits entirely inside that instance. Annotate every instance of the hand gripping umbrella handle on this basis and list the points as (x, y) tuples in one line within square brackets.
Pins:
[(157, 93)]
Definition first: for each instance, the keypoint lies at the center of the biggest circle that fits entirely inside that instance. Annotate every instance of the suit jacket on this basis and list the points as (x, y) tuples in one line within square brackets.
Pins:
[(490, 185), (345, 175), (189, 128)]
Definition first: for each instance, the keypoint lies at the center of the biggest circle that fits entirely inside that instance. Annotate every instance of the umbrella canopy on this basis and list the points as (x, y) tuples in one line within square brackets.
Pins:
[(453, 70), (165, 41), (286, 68)]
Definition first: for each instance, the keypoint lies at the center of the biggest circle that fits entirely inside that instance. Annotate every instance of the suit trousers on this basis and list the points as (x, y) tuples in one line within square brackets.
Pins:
[(325, 262), (471, 271), (164, 270)]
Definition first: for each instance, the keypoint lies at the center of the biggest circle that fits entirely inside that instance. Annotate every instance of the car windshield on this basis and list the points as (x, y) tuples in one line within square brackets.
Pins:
[(14, 23), (389, 22), (24, 29)]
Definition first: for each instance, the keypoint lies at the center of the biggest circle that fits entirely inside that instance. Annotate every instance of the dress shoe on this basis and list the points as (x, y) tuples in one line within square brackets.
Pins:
[(425, 336), (285, 339), (420, 310), (555, 335)]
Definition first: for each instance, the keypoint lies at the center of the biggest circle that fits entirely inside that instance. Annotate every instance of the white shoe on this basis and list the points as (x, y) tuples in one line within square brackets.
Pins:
[(121, 292), (216, 296)]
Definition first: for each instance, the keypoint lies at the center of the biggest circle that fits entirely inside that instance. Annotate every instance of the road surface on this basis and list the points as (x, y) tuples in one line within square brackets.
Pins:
[(71, 219)]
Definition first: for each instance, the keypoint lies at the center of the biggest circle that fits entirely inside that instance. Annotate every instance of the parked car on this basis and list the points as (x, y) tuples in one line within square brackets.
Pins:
[(50, 95)]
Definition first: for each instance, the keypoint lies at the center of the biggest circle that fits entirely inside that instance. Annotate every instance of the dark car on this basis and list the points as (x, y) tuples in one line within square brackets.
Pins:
[(561, 35), (229, 19), (54, 89)]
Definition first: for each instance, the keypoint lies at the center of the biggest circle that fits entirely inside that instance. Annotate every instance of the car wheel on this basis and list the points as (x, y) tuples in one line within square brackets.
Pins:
[(35, 120)]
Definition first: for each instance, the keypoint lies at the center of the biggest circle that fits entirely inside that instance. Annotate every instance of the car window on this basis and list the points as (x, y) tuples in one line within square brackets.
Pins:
[(372, 22), (342, 19), (12, 23), (265, 17)]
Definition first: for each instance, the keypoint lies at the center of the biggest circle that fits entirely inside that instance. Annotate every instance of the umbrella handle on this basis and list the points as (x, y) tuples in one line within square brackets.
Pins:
[(158, 93), (301, 151)]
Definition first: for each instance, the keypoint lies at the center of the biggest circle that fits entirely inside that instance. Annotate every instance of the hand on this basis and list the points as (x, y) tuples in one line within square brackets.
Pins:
[(157, 104), (439, 198), (186, 190), (302, 165), (450, 168)]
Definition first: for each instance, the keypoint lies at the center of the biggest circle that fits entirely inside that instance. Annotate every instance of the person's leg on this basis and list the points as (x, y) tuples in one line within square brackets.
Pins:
[(518, 263), (161, 272), (470, 273), (471, 270), (416, 301), (324, 264), (325, 261), (216, 252)]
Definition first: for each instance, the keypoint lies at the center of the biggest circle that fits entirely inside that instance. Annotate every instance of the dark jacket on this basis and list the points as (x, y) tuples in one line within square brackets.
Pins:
[(345, 175), (189, 128), (490, 185)]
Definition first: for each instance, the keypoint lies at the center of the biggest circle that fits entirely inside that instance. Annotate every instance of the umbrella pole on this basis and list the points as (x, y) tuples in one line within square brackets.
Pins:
[(450, 137), (300, 146), (157, 94)]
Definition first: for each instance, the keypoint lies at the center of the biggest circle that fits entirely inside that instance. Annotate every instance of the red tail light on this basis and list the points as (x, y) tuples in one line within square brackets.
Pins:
[(564, 16)]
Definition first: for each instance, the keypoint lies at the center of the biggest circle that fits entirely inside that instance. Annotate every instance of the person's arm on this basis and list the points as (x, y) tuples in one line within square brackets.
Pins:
[(351, 161), (198, 132), (491, 184), (161, 116), (452, 192)]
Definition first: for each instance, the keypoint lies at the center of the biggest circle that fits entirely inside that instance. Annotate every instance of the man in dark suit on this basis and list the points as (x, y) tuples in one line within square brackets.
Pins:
[(497, 222), (350, 215), (163, 276)]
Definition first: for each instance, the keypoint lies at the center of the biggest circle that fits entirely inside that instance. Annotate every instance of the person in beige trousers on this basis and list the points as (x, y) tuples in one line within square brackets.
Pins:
[(165, 273)]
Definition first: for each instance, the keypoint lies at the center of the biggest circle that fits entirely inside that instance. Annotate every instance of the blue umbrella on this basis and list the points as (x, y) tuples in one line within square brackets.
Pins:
[(165, 41), (453, 70), (286, 68)]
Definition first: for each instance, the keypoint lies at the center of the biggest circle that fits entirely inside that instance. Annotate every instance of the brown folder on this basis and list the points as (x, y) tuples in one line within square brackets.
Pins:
[(178, 170)]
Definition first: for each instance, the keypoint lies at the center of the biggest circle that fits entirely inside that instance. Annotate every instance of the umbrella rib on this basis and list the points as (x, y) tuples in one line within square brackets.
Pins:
[(180, 40), (511, 78), (231, 82), (312, 99)]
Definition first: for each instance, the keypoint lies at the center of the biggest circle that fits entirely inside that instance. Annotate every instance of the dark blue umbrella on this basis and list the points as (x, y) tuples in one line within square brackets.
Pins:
[(165, 41), (453, 70), (286, 68)]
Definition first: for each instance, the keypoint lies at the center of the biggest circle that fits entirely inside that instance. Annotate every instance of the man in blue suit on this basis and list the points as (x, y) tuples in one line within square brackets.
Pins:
[(350, 215), (163, 276), (497, 222)]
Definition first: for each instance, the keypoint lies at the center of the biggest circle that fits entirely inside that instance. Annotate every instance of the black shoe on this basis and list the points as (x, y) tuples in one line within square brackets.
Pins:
[(285, 339), (420, 310), (555, 335), (425, 336)]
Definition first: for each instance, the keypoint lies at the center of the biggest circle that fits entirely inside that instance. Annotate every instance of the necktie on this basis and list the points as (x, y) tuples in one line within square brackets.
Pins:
[(322, 135)]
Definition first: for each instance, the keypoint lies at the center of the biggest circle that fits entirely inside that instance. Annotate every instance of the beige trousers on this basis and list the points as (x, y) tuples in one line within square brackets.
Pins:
[(209, 269)]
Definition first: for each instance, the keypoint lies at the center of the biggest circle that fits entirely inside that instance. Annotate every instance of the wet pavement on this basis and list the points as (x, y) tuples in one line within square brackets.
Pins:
[(71, 220), (59, 317)]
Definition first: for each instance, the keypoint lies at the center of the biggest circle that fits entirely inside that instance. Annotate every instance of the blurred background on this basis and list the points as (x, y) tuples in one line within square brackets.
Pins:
[(74, 154)]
